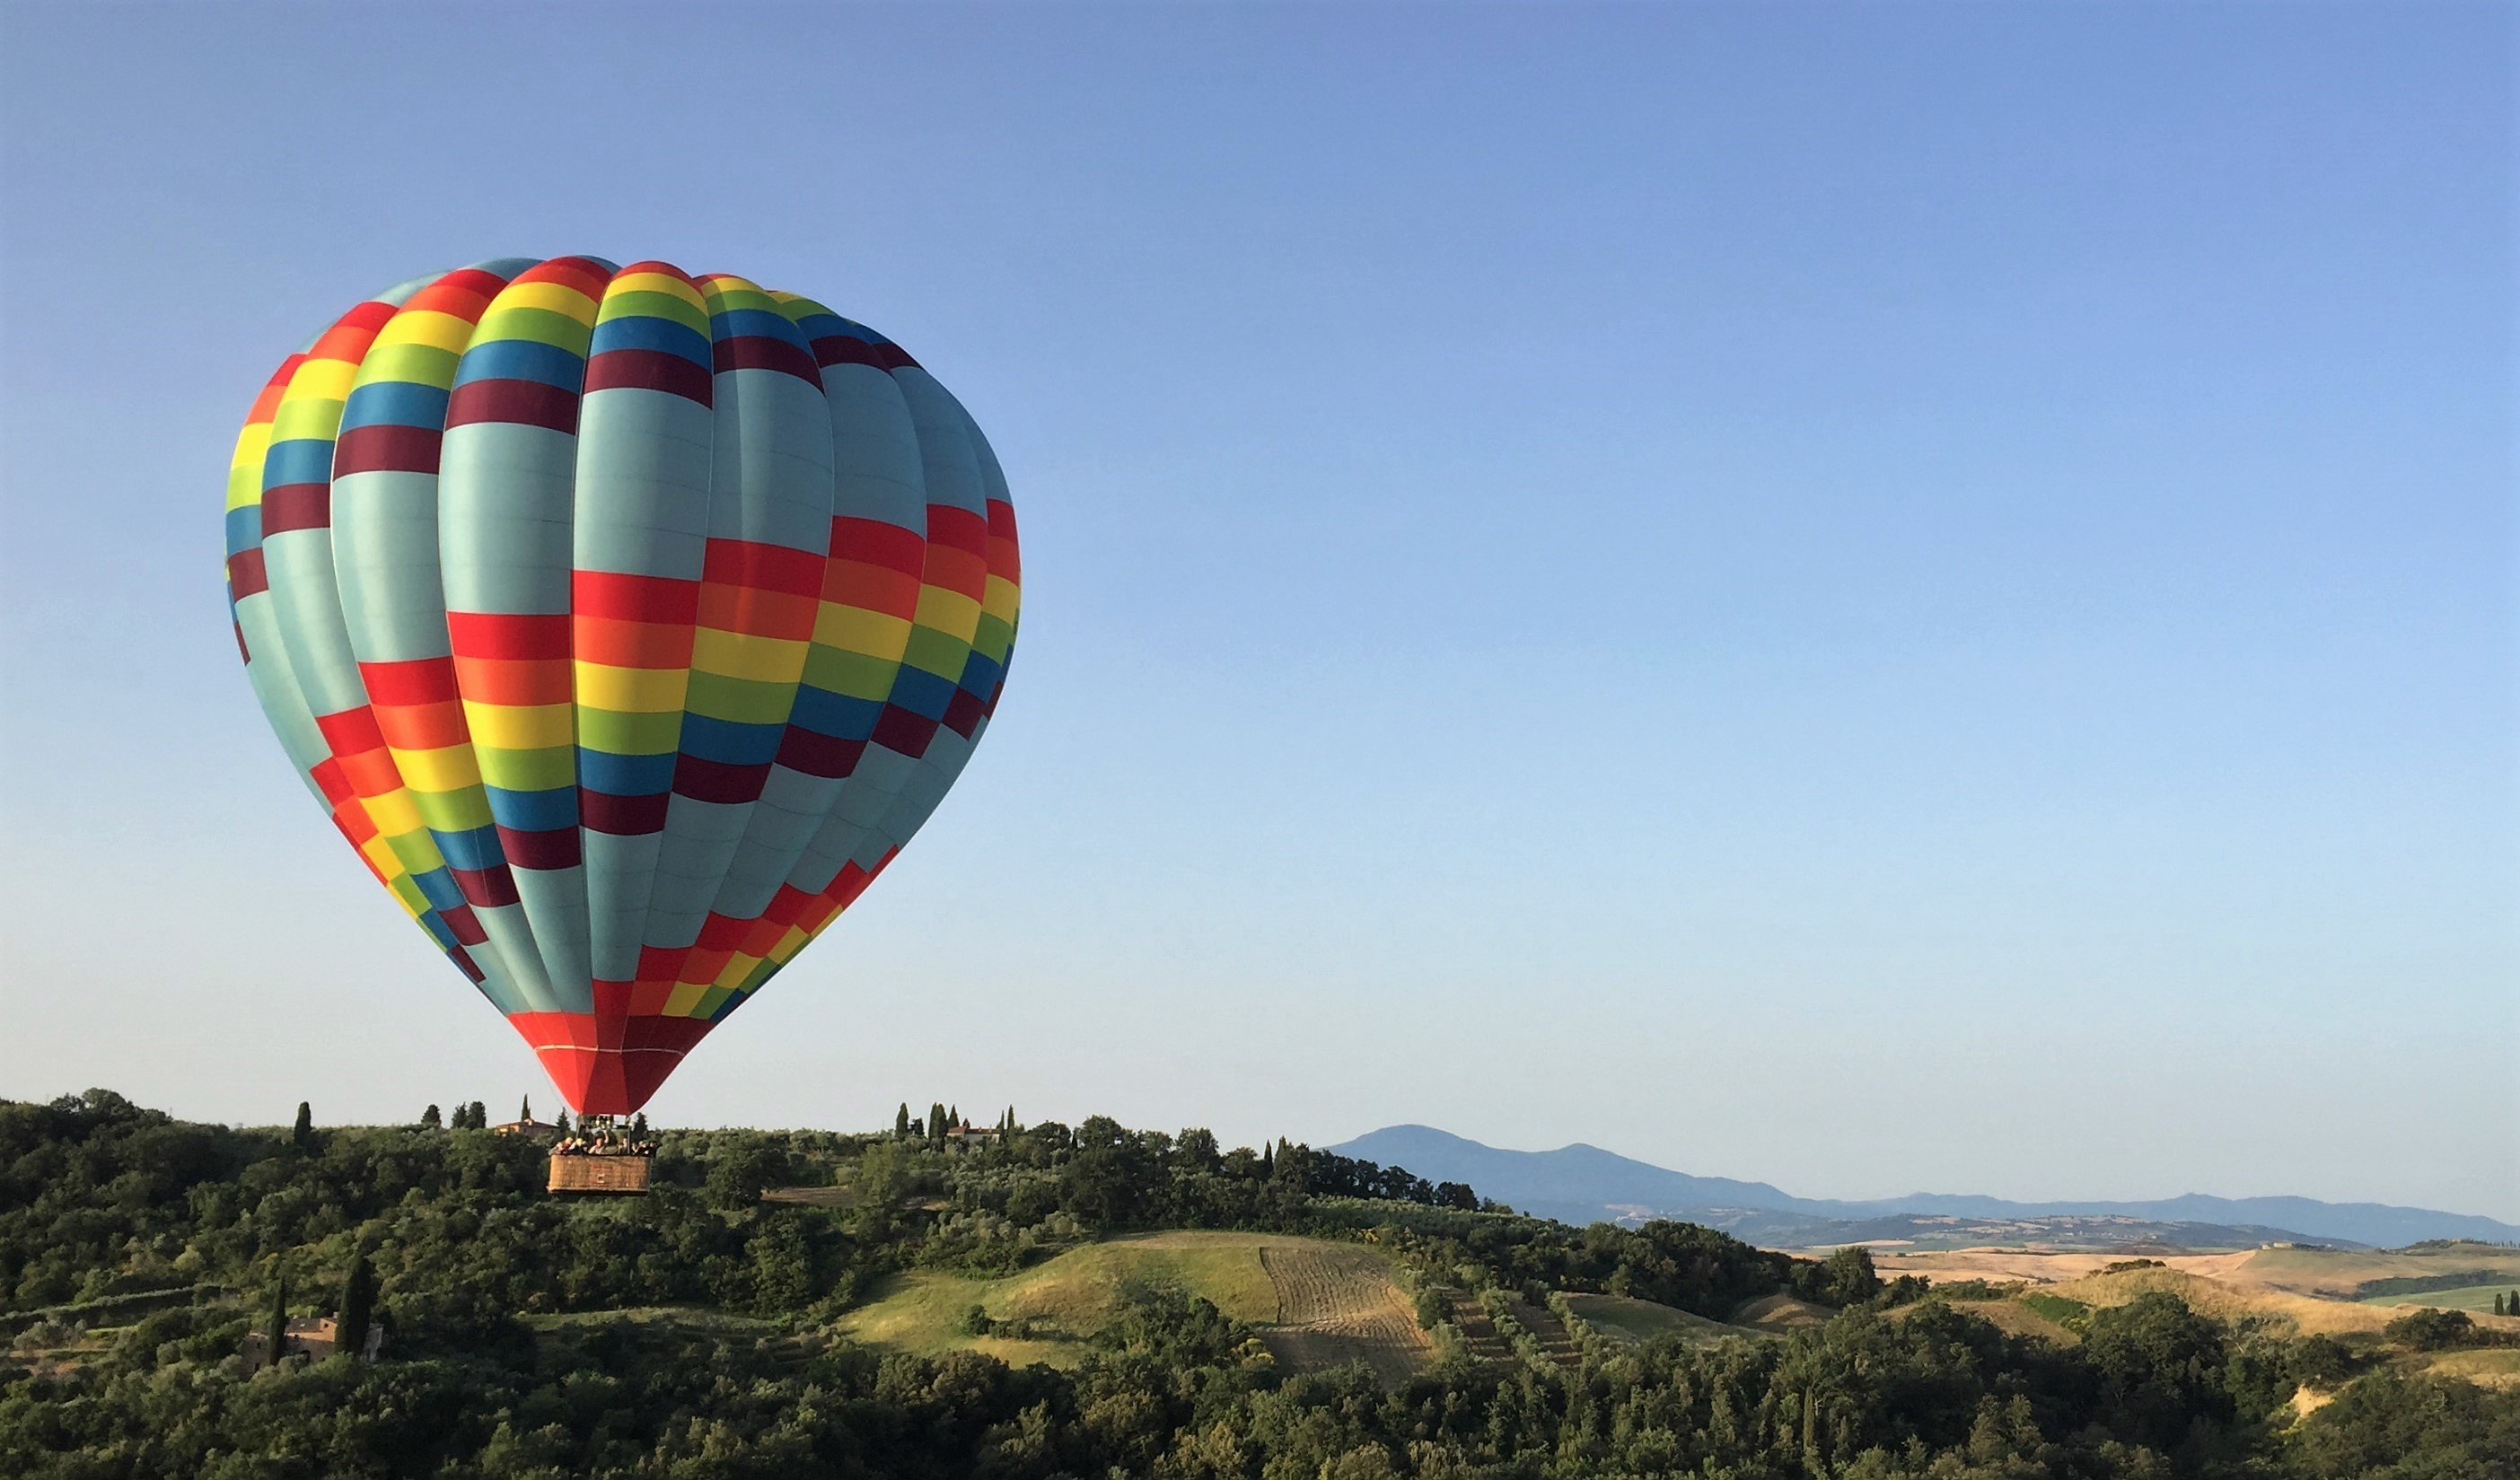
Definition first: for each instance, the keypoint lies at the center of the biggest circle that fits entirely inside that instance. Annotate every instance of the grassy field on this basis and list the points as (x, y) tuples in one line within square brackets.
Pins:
[(2337, 1273), (1780, 1313), (1635, 1322), (1320, 1303), (2493, 1367), (2475, 1299)]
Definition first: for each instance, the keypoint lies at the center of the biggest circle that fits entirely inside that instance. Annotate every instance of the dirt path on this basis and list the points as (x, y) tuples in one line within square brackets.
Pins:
[(1338, 1305)]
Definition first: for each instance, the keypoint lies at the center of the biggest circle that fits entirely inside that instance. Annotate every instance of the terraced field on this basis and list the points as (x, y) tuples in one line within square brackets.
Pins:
[(1336, 1304)]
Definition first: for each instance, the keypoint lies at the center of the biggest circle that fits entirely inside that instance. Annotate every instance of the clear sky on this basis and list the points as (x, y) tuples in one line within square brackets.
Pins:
[(1877, 598)]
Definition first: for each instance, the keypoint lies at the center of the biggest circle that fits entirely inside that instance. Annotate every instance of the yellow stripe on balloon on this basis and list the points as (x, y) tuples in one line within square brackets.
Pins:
[(739, 654), (631, 691)]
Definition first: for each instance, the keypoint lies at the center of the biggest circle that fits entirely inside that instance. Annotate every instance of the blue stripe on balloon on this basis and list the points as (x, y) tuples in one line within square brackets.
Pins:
[(754, 323), (471, 851), (843, 716), (625, 774), (730, 743), (520, 360), (922, 693), (437, 886), (533, 811), (394, 403), (300, 459), (640, 332)]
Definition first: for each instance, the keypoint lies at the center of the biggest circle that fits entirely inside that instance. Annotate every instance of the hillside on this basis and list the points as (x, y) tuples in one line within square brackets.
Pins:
[(1052, 1302), (1581, 1184)]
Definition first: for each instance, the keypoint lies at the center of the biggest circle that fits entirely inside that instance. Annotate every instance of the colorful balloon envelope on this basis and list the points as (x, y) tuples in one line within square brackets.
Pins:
[(627, 623)]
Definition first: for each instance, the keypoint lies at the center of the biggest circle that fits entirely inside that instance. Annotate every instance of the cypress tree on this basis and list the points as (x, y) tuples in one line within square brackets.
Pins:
[(953, 1116), (302, 1134), (559, 1118), (901, 1122), (937, 1124), (525, 1111), (1268, 1159), (358, 1305), (430, 1120), (638, 1126), (275, 1330), (481, 1116)]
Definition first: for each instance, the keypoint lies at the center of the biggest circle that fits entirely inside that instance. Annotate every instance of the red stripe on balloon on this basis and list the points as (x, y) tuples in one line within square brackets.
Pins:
[(648, 369), (529, 403), (385, 448), (296, 506)]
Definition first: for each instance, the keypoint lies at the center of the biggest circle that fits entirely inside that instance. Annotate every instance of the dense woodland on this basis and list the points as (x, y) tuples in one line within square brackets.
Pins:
[(154, 1248)]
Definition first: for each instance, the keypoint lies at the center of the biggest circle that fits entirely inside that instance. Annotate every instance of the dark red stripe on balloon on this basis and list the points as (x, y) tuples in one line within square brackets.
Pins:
[(874, 542), (465, 962), (761, 352), (501, 635), (386, 449), (707, 780), (648, 369), (963, 713), (529, 403), (821, 756), (719, 933), (296, 506), (621, 816), (661, 963), (486, 888), (555, 848), (634, 598), (840, 349), (763, 567), (461, 921), (958, 529), (247, 574), (243, 651), (903, 732)]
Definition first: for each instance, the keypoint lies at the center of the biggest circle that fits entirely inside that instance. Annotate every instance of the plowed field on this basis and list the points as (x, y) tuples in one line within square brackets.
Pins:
[(1335, 1305)]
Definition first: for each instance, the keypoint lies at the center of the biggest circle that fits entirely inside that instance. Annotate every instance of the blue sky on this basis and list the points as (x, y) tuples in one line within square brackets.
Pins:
[(1878, 598)]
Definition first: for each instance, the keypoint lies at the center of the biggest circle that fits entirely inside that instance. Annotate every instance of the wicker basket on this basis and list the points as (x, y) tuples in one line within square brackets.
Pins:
[(626, 1174)]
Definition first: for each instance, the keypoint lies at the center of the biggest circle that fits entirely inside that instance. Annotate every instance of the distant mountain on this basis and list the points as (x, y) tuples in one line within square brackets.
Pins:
[(1584, 1184)]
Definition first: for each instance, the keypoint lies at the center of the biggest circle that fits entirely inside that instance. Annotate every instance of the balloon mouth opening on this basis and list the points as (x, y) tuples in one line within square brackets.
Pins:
[(609, 1065)]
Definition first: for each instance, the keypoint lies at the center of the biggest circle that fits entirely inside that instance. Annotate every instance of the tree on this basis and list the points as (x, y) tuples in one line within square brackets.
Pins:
[(901, 1122), (481, 1116), (559, 1119), (638, 1126), (1268, 1160), (275, 1329), (525, 1111), (953, 1116), (937, 1124), (358, 1304), (2498, 1302), (2426, 1329), (302, 1134), (430, 1120)]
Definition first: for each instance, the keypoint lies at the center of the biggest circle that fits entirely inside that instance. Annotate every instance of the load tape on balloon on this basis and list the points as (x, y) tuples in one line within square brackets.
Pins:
[(626, 622)]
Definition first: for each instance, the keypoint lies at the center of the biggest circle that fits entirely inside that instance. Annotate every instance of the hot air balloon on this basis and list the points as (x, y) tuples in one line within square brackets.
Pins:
[(626, 622)]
